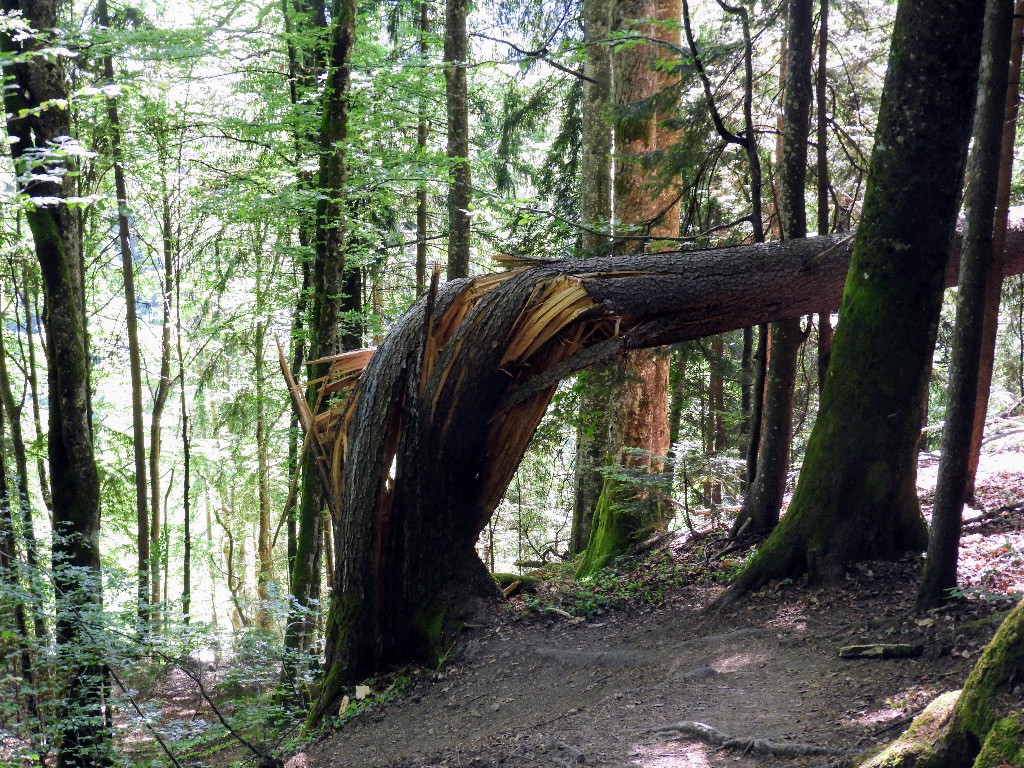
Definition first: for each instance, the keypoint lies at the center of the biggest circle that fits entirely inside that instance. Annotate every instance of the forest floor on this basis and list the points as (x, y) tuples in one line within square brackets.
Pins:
[(533, 685)]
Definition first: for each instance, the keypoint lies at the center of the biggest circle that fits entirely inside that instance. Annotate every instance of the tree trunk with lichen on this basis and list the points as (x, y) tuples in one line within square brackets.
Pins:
[(648, 206), (35, 83), (856, 498)]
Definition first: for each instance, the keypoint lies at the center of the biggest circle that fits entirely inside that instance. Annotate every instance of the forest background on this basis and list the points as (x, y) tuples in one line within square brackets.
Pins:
[(202, 171)]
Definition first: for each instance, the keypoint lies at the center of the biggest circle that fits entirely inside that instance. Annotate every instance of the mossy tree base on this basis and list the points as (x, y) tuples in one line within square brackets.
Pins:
[(623, 519), (983, 727)]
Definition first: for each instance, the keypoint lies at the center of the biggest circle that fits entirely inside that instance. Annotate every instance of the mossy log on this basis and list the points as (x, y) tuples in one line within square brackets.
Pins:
[(418, 448)]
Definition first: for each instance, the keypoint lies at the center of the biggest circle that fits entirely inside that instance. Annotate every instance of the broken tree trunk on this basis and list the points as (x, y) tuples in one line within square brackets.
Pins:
[(418, 448)]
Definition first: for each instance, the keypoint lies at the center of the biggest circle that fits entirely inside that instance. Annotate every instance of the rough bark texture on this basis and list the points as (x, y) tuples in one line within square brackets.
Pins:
[(638, 405), (855, 497), (405, 566), (976, 264), (83, 737), (456, 55)]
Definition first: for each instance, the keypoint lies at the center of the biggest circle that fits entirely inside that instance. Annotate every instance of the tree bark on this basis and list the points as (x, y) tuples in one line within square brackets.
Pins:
[(23, 501), (638, 405), (763, 501), (163, 388), (855, 498), (456, 56), (592, 440), (326, 331), (994, 290), (83, 736), (977, 261)]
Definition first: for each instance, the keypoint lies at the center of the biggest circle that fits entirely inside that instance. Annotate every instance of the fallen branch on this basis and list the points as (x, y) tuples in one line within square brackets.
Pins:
[(881, 651), (693, 730)]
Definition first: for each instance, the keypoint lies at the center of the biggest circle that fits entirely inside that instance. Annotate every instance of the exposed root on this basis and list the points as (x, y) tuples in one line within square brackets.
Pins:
[(690, 729)]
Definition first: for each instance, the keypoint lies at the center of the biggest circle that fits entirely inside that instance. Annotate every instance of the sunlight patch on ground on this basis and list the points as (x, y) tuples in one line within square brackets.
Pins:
[(298, 761), (671, 754), (738, 661)]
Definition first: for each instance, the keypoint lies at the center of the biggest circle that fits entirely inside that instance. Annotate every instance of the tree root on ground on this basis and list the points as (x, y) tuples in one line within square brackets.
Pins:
[(706, 733)]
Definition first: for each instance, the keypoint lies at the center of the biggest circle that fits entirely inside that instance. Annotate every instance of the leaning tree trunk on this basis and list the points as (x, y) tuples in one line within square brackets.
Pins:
[(994, 291), (856, 498), (417, 478)]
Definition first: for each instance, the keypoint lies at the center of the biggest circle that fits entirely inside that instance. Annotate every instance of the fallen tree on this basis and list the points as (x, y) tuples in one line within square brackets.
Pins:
[(418, 448)]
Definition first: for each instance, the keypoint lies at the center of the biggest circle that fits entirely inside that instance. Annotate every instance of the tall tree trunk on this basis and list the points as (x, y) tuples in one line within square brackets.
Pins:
[(625, 514), (995, 280), (821, 102), (856, 498), (422, 132), (264, 556), (22, 499), (592, 439), (763, 501), (83, 736), (325, 332), (147, 563), (33, 321), (11, 602), (456, 57), (977, 262), (186, 454), (163, 387)]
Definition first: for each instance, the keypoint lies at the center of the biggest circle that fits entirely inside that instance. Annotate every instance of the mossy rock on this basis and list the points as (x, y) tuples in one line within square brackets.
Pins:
[(923, 744)]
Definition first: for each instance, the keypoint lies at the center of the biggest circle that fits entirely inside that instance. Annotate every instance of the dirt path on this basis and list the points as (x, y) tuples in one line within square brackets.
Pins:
[(558, 693), (567, 692)]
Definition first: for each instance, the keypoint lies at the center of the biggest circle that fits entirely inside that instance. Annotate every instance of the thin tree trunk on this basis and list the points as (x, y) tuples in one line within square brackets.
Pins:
[(163, 389), (456, 57), (976, 263), (994, 290), (265, 560), (422, 132), (763, 502), (821, 100), (21, 492), (148, 573), (32, 321), (11, 602), (186, 453)]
